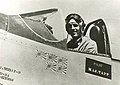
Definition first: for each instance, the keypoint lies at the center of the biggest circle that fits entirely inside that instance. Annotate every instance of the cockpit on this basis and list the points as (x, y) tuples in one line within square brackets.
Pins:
[(32, 28)]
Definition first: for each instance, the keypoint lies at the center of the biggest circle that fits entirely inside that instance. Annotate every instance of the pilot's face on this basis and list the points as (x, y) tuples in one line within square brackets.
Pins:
[(74, 29)]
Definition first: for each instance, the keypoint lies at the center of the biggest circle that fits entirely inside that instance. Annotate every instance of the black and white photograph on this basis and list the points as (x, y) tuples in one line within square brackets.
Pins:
[(59, 42)]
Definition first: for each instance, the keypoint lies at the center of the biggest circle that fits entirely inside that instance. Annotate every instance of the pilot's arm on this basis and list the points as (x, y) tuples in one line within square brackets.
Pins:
[(92, 48)]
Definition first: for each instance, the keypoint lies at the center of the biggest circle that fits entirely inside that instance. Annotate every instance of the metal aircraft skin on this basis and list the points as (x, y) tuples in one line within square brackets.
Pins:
[(31, 55)]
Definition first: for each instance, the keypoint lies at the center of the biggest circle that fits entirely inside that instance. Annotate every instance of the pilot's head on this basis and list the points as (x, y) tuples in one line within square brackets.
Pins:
[(74, 25)]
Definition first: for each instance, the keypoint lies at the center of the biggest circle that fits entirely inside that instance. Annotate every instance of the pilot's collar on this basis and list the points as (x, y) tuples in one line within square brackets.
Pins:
[(79, 40)]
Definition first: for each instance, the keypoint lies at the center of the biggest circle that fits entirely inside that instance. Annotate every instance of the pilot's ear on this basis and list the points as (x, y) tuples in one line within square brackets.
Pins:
[(83, 26)]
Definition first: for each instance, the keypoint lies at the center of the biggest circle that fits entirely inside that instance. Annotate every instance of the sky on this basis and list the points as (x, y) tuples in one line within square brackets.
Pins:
[(108, 10)]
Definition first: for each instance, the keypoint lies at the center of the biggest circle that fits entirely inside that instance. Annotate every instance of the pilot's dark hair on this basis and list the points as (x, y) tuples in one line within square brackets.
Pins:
[(76, 17)]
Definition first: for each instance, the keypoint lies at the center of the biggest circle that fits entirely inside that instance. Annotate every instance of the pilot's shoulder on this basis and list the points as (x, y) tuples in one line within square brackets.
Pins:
[(88, 40)]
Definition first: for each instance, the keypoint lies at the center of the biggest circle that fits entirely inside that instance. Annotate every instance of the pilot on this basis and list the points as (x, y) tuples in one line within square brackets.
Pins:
[(76, 41)]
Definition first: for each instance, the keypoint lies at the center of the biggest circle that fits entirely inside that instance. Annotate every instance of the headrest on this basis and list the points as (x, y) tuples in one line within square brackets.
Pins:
[(94, 32)]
